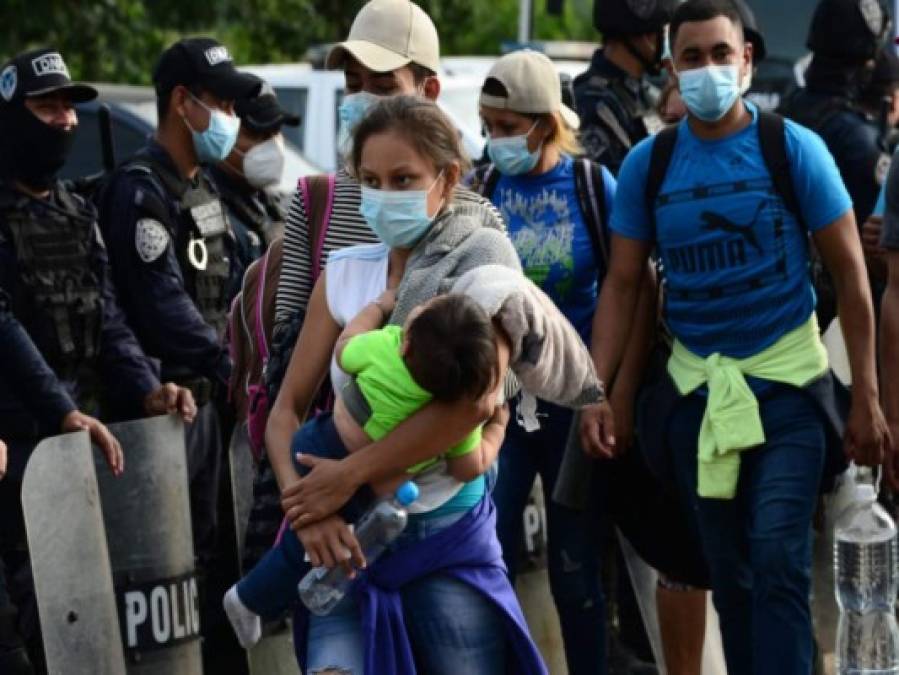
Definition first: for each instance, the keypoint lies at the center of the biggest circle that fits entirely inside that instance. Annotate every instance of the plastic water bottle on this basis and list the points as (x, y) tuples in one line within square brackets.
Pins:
[(321, 589), (865, 558)]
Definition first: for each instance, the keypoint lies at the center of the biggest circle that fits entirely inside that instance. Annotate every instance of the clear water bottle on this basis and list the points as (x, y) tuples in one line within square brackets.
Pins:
[(321, 589), (866, 580)]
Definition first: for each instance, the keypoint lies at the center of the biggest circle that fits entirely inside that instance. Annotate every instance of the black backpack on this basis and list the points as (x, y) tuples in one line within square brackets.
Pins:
[(591, 194), (772, 141)]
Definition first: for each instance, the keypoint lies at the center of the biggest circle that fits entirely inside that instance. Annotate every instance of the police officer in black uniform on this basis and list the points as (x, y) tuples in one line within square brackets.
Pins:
[(65, 339), (614, 101), (845, 37), (246, 177), (171, 249)]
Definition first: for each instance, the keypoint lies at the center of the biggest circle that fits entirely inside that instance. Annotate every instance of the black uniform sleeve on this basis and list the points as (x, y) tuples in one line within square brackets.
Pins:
[(126, 369), (159, 308), (26, 372), (604, 138)]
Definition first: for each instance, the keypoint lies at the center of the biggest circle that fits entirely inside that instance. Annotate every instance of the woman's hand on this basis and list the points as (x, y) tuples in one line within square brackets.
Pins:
[(320, 493), (2, 459), (597, 431), (331, 542), (100, 436)]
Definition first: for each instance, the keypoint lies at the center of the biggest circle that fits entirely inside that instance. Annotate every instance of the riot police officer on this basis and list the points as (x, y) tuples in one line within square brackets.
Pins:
[(66, 342), (170, 247), (245, 178), (845, 37), (614, 101)]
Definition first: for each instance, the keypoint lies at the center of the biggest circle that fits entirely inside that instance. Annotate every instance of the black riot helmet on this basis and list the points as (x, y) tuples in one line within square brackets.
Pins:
[(851, 31), (751, 31), (631, 17)]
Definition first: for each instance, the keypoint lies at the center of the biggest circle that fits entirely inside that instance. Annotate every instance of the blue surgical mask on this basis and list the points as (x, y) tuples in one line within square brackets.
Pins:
[(399, 218), (217, 141), (351, 111), (511, 155), (709, 92)]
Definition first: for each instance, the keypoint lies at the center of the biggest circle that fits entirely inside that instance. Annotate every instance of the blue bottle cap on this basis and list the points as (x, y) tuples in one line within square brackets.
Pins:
[(406, 493)]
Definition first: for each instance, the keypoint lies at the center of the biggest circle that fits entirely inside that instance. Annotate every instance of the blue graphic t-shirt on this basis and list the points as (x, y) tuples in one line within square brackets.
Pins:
[(547, 227), (736, 263)]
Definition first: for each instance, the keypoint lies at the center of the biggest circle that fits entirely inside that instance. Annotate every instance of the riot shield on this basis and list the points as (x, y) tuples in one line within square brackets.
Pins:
[(69, 559), (147, 516)]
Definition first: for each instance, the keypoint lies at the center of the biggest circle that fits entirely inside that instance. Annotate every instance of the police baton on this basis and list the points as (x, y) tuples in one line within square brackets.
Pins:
[(575, 477)]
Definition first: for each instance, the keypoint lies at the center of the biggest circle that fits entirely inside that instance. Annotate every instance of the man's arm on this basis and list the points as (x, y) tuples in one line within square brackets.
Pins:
[(840, 248), (613, 322)]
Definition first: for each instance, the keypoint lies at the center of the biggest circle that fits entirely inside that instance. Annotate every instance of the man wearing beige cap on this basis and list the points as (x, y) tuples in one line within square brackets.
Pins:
[(393, 49)]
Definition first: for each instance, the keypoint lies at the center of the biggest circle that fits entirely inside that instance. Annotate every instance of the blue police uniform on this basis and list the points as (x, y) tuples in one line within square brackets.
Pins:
[(853, 138), (255, 219), (170, 256), (616, 111), (62, 332)]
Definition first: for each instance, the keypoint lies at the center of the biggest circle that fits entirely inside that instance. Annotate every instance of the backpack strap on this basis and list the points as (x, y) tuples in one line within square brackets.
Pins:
[(318, 202), (486, 178), (591, 194), (659, 160), (773, 142), (259, 325)]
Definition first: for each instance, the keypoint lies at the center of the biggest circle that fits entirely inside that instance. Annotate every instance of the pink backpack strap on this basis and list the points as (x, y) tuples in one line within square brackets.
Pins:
[(259, 326), (323, 229)]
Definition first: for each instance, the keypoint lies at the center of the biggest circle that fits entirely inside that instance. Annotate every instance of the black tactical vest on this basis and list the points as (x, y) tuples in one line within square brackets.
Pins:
[(202, 239), (58, 294)]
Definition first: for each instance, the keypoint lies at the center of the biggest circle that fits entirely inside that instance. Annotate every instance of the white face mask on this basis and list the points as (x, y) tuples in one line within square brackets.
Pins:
[(263, 164)]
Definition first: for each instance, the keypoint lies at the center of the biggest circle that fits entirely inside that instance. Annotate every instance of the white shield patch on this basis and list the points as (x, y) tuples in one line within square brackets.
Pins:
[(151, 239), (9, 79), (882, 169)]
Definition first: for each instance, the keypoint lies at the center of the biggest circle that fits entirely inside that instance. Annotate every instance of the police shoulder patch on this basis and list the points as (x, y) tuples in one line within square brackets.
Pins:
[(882, 168), (151, 239)]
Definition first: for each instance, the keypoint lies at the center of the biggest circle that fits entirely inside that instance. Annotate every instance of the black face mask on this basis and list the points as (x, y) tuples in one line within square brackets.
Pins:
[(652, 66), (34, 151)]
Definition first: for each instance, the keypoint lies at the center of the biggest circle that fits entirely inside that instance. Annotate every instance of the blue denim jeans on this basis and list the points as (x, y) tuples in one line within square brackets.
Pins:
[(452, 627), (573, 552), (758, 545)]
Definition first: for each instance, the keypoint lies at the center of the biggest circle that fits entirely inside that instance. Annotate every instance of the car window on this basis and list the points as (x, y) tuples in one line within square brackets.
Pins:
[(86, 157), (295, 100)]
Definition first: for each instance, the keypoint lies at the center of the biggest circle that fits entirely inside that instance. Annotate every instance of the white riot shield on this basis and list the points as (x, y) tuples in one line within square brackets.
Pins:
[(69, 559), (148, 527)]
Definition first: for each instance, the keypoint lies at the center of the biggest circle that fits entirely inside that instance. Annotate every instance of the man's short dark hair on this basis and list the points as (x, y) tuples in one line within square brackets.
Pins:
[(452, 349), (164, 98), (703, 10)]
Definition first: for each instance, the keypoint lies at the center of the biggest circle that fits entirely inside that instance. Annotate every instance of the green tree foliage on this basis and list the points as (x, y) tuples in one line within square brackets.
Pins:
[(119, 40)]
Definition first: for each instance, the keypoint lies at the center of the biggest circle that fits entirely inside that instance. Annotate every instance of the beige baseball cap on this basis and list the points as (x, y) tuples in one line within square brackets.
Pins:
[(390, 34), (532, 83)]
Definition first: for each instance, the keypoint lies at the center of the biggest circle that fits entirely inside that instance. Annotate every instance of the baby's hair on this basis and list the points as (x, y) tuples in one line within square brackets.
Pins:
[(452, 349), (421, 122)]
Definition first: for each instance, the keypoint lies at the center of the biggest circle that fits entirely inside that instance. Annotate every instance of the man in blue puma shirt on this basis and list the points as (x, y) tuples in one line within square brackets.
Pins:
[(740, 302)]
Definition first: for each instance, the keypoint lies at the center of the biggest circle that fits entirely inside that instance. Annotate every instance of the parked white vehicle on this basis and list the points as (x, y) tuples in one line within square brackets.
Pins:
[(316, 94)]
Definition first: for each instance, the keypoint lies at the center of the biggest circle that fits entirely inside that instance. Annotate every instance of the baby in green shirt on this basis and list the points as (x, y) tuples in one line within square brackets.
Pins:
[(446, 351)]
